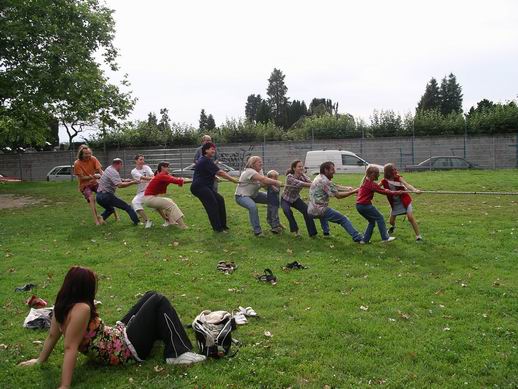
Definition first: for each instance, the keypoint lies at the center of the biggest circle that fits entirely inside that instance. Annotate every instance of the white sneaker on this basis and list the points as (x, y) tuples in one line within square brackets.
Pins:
[(187, 358), (390, 239), (149, 224), (240, 318), (166, 224)]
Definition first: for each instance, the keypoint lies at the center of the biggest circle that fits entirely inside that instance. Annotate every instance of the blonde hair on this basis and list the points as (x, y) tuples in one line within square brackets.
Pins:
[(272, 173), (389, 170), (80, 151), (206, 138), (370, 170), (252, 161)]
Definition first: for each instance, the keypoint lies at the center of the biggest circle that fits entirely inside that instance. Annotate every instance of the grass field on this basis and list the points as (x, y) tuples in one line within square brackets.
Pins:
[(443, 313)]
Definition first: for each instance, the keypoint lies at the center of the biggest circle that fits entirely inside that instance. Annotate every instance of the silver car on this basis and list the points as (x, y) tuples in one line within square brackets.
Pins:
[(61, 173), (188, 171)]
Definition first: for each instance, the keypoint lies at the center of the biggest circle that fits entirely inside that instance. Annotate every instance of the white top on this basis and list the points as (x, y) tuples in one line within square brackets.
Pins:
[(138, 173), (248, 187)]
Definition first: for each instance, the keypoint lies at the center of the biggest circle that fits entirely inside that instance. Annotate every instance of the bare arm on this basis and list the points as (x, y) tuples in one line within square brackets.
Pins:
[(79, 317), (225, 175), (341, 195), (408, 186), (125, 184), (265, 180), (48, 346)]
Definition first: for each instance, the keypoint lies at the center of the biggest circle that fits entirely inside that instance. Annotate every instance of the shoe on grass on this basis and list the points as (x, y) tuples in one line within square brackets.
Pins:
[(390, 239), (187, 358), (149, 224), (391, 229), (419, 239)]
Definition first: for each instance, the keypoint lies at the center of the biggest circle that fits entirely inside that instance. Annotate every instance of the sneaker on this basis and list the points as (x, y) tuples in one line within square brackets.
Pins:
[(259, 234), (149, 224), (419, 239), (276, 230), (187, 358), (327, 234), (361, 242), (390, 239), (166, 224), (391, 229)]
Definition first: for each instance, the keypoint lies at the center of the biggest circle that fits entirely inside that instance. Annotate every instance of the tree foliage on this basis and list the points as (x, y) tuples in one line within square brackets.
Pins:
[(49, 69), (277, 99), (431, 98)]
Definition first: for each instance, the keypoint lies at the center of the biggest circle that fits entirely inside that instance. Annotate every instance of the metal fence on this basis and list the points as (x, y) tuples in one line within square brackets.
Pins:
[(490, 152)]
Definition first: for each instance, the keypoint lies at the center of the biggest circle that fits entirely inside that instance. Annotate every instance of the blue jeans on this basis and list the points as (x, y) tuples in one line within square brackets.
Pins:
[(301, 206), (250, 204), (330, 215), (373, 216), (109, 201)]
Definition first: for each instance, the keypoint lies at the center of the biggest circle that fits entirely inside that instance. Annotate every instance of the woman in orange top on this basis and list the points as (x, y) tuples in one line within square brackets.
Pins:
[(88, 169)]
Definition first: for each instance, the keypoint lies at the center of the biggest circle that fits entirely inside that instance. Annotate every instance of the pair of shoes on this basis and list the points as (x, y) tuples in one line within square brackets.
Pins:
[(294, 266), (390, 239), (239, 318), (391, 229), (24, 288), (226, 267), (268, 277), (248, 311), (149, 224), (187, 358)]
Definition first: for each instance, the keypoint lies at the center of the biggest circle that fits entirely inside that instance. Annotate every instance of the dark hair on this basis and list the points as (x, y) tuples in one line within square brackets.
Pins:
[(79, 286), (293, 165), (326, 166), (160, 166), (207, 146), (138, 156), (389, 171)]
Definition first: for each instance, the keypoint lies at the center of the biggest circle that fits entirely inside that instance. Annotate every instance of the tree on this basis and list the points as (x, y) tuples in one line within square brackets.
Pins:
[(296, 110), (252, 104), (165, 121), (482, 105), (322, 106), (264, 113), (431, 98), (451, 95), (211, 123), (50, 68), (277, 99), (203, 121)]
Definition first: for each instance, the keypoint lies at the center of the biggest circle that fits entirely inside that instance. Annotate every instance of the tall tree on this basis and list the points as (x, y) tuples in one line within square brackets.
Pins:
[(252, 104), (297, 109), (431, 99), (211, 123), (203, 121), (482, 105), (322, 106), (165, 121), (277, 99), (51, 63), (264, 113), (451, 95)]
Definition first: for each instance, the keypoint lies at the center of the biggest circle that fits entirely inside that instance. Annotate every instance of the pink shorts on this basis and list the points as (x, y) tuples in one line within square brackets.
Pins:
[(88, 190)]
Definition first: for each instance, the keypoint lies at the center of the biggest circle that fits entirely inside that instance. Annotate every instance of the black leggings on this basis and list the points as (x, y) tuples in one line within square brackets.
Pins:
[(214, 205), (153, 318)]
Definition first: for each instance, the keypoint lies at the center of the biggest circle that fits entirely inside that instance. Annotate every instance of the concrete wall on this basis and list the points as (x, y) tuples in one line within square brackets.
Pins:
[(499, 151)]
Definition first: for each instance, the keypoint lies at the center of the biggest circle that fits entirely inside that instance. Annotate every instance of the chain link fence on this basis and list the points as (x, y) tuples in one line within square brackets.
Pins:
[(488, 152)]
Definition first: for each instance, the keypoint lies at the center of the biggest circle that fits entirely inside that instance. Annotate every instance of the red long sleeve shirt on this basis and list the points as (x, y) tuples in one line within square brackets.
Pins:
[(158, 184), (366, 192)]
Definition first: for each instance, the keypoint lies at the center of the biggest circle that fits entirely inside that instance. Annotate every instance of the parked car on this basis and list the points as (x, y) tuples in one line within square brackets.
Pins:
[(345, 161), (6, 178), (442, 163), (61, 173), (188, 171)]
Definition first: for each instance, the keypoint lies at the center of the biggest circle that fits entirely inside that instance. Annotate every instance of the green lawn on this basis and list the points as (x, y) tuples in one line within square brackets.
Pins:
[(443, 313)]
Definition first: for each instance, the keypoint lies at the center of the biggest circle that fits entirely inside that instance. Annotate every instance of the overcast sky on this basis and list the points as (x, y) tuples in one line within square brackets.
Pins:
[(189, 55)]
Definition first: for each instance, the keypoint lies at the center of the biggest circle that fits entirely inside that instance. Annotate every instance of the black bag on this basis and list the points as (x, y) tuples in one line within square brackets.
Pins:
[(214, 333)]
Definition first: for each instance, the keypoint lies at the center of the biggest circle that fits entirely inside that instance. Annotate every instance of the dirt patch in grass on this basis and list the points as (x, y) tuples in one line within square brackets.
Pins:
[(11, 201)]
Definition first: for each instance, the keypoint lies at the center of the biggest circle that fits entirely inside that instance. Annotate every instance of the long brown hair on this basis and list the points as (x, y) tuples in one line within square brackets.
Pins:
[(293, 165), (389, 171), (80, 151), (370, 170), (79, 286)]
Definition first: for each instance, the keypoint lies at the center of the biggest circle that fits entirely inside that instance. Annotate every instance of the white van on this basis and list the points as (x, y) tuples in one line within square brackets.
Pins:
[(61, 173), (345, 161)]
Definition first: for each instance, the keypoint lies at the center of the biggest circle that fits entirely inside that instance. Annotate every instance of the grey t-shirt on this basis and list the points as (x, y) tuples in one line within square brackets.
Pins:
[(109, 180), (247, 186)]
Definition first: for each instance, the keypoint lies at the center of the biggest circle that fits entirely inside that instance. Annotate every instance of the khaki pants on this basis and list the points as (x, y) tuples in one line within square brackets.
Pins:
[(166, 204)]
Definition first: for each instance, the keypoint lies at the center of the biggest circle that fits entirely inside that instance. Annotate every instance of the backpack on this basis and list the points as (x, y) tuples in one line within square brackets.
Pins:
[(213, 333)]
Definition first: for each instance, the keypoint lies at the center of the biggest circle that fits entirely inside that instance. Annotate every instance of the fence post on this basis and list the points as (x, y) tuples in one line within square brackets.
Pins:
[(181, 159), (70, 159), (124, 162), (494, 152), (20, 165)]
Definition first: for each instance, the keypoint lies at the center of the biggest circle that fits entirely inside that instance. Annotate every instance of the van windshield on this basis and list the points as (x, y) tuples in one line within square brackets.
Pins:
[(350, 160)]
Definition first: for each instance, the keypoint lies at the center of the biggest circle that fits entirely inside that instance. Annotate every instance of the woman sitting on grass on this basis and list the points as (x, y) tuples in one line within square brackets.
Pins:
[(131, 339)]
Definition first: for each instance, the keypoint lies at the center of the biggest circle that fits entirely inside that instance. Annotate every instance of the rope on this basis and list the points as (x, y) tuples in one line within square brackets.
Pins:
[(448, 192)]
